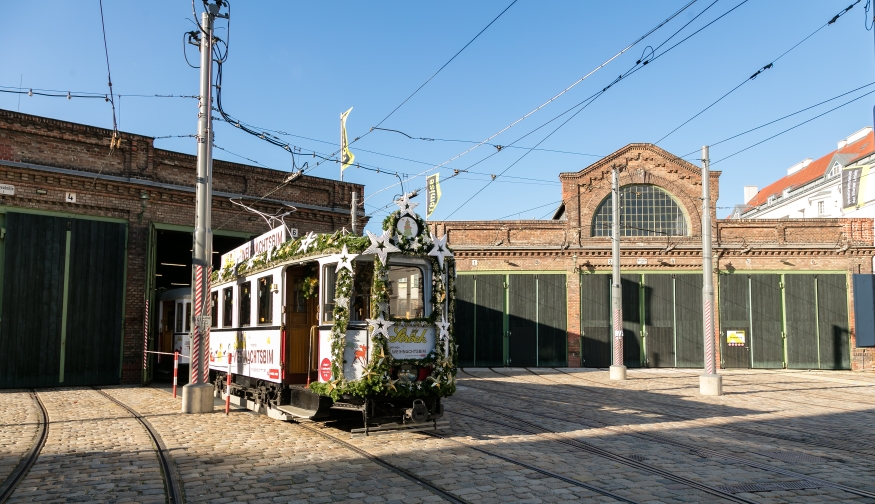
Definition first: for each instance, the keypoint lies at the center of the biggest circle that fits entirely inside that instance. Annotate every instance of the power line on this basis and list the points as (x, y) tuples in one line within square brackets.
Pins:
[(792, 127), (760, 71), (779, 119), (529, 210), (497, 146), (551, 100), (638, 65), (108, 73), (444, 65)]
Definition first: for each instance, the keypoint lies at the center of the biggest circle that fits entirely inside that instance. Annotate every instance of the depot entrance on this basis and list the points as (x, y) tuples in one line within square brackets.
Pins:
[(169, 294)]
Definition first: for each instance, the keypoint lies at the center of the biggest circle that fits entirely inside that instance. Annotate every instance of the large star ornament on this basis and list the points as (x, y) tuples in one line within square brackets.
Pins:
[(380, 325), (444, 328), (344, 260), (406, 205), (307, 242), (381, 245), (440, 249)]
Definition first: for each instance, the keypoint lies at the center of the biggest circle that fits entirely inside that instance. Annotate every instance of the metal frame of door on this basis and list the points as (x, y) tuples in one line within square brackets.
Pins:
[(818, 308), (506, 312)]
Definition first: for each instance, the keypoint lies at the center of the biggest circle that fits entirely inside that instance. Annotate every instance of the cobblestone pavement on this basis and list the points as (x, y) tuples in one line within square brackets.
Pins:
[(18, 428), (770, 427)]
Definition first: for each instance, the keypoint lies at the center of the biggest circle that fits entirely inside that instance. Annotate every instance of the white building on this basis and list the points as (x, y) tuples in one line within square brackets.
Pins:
[(813, 188)]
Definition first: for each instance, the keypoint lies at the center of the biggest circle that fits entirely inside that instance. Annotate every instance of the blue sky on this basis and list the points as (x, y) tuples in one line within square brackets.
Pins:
[(294, 66)]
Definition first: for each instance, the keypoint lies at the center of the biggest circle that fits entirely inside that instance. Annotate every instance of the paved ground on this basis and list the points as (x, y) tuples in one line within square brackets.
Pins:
[(543, 435)]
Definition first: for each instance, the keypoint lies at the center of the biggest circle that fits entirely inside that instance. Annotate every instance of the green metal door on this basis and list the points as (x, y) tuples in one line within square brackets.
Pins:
[(659, 304), (832, 318), (522, 320), (800, 307), (552, 321), (95, 303), (688, 321), (735, 320), (631, 285), (33, 297), (489, 320), (595, 320), (767, 342), (464, 324)]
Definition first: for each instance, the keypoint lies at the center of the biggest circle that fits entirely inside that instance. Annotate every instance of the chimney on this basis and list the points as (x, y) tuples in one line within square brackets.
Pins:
[(855, 136), (749, 192), (798, 166)]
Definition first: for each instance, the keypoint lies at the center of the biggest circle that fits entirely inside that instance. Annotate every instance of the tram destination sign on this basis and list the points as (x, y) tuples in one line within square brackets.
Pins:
[(256, 246)]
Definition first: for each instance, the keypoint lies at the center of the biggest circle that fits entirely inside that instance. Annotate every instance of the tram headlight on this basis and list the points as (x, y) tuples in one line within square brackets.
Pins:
[(408, 373)]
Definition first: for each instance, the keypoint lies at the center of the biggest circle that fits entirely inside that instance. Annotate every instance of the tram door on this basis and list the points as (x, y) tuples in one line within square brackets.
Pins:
[(300, 319)]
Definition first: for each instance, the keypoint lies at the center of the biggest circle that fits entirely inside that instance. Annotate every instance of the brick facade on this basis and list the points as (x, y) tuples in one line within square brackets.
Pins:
[(568, 246), (143, 186)]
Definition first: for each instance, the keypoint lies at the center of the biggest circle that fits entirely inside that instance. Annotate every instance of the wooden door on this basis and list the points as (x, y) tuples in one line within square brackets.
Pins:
[(300, 319)]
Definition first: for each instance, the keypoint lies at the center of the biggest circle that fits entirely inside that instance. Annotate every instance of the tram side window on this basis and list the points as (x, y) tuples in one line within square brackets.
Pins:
[(361, 290), (329, 287), (187, 317), (178, 317), (406, 296), (214, 309), (265, 300), (245, 315), (227, 307)]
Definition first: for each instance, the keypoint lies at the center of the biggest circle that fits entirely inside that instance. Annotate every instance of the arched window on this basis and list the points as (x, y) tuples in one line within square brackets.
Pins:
[(645, 210)]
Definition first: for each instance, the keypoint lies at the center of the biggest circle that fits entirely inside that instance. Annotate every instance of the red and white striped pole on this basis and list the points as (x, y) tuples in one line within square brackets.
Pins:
[(175, 371), (145, 339), (195, 357), (228, 390), (206, 342), (710, 383)]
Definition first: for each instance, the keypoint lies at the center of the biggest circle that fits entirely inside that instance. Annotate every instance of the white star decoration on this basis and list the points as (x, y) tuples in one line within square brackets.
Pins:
[(344, 260), (382, 307), (380, 325), (307, 242), (440, 249), (406, 205), (342, 302), (444, 328), (381, 245)]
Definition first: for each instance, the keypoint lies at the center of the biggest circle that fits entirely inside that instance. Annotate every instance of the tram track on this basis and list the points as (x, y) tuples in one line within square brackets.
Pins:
[(23, 467), (662, 440), (544, 433), (808, 442), (832, 444), (428, 485), (172, 481)]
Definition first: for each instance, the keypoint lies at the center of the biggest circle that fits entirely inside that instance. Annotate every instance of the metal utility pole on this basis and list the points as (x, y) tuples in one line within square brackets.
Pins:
[(618, 370), (353, 210), (197, 395), (710, 383)]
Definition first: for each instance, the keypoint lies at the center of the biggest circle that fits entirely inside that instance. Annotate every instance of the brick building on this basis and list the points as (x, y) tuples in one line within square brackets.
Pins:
[(90, 234), (537, 292)]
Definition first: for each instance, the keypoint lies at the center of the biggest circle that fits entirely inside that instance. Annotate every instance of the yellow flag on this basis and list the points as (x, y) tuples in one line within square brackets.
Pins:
[(346, 157), (433, 189)]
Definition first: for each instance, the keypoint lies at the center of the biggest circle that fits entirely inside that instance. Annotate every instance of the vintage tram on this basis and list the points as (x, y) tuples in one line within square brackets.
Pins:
[(338, 322)]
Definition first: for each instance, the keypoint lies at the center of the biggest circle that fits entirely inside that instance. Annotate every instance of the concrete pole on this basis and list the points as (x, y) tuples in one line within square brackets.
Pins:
[(197, 396), (710, 383), (353, 212), (618, 370)]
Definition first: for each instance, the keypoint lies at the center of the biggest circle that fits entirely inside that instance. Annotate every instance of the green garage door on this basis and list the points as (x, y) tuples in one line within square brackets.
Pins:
[(595, 320), (62, 308)]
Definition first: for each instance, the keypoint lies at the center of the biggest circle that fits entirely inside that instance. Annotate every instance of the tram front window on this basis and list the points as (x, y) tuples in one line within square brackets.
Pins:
[(406, 296), (361, 290), (214, 309)]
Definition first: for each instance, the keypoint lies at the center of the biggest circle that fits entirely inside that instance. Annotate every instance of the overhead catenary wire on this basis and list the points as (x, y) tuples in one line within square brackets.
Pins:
[(554, 98), (760, 71), (108, 73), (695, 152), (638, 65), (792, 128)]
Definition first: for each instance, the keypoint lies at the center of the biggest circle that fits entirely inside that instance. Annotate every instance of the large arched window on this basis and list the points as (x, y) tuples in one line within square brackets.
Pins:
[(645, 210)]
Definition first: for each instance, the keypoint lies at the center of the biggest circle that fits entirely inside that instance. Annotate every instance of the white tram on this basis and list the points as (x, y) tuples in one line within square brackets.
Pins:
[(174, 315), (337, 321)]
